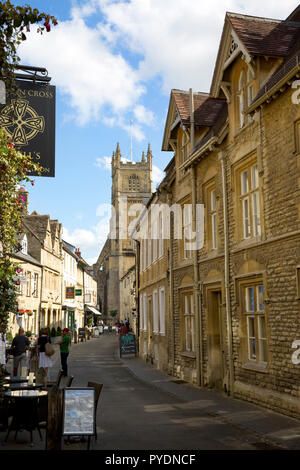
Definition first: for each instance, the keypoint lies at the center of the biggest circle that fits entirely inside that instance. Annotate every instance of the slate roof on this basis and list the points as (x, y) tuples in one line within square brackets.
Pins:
[(206, 109), (264, 36), (38, 224)]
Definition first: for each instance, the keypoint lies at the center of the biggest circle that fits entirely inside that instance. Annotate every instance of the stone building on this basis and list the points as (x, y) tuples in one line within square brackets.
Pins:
[(29, 292), (128, 298), (45, 245), (234, 301), (131, 184)]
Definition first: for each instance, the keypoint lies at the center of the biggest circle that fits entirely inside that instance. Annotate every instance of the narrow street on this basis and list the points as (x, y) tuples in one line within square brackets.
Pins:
[(142, 409)]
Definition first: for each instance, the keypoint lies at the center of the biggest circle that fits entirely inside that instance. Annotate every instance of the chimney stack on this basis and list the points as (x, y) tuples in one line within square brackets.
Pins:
[(78, 252)]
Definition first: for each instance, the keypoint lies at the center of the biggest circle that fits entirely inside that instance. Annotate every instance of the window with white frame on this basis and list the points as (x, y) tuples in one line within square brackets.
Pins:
[(155, 240), (241, 98), (160, 235), (24, 245), (145, 322), (189, 322), (141, 313), (35, 284), (250, 201), (28, 284), (155, 312), (162, 311), (187, 231), (149, 248), (254, 310), (213, 219)]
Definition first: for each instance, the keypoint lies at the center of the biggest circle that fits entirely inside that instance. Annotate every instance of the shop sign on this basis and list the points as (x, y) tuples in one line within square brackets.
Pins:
[(70, 292), (29, 119), (78, 292)]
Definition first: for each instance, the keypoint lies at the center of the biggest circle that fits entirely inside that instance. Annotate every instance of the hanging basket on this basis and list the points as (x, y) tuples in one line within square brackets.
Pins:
[(29, 312)]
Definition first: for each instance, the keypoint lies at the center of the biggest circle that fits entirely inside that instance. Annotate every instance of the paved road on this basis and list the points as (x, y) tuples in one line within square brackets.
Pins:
[(141, 409)]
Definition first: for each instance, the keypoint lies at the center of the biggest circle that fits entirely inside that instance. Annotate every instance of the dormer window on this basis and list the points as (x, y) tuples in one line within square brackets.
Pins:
[(241, 97), (245, 95), (24, 245)]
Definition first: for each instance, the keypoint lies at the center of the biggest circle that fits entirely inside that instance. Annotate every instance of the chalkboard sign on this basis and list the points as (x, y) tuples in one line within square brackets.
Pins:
[(79, 411), (127, 344)]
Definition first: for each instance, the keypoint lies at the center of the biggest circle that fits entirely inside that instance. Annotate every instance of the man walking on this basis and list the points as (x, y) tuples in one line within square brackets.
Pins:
[(64, 351), (20, 344)]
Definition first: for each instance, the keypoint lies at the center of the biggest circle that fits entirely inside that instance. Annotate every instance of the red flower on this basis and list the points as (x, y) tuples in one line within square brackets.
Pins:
[(11, 145), (47, 26), (32, 183)]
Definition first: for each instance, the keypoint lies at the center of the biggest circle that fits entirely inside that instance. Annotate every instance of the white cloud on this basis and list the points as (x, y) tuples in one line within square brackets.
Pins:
[(157, 174), (104, 163), (93, 78), (179, 39), (143, 115), (176, 40)]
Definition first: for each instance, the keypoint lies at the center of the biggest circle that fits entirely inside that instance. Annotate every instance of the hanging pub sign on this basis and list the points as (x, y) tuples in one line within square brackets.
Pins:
[(70, 292), (29, 119)]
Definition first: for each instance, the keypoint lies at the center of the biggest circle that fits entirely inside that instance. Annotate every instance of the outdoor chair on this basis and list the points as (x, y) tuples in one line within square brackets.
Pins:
[(57, 381), (69, 380), (98, 388), (42, 413)]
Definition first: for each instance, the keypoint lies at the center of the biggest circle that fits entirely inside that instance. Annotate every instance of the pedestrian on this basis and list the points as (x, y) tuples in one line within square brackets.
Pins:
[(20, 344), (123, 329), (44, 360), (75, 332), (64, 351)]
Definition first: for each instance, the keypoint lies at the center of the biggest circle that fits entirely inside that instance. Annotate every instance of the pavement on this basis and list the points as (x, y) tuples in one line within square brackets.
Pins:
[(267, 430)]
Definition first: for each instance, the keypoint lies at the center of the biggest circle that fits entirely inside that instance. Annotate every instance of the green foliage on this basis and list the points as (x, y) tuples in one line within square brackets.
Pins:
[(14, 20), (9, 337), (58, 331), (113, 313), (28, 333), (53, 332), (15, 167), (90, 322)]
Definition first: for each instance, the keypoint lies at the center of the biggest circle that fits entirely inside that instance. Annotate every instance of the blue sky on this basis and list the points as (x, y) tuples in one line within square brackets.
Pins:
[(112, 61)]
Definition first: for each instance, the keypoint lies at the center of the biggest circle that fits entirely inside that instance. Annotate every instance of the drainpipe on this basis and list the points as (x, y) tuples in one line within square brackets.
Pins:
[(197, 294), (137, 287), (41, 299), (192, 134), (227, 285), (171, 284)]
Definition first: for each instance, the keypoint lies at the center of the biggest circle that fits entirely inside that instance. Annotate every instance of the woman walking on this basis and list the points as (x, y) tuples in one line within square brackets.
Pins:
[(64, 351), (44, 360)]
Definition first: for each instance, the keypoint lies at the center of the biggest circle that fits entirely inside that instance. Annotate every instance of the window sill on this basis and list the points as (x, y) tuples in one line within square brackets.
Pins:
[(188, 354), (256, 366)]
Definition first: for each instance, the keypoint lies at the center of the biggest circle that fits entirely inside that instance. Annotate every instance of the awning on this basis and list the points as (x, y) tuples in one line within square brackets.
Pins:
[(93, 310)]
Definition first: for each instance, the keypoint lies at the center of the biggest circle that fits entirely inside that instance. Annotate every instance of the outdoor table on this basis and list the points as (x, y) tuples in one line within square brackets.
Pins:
[(25, 411), (16, 379), (23, 386)]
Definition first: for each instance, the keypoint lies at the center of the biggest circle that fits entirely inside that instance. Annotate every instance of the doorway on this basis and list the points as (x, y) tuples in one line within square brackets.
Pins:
[(215, 343)]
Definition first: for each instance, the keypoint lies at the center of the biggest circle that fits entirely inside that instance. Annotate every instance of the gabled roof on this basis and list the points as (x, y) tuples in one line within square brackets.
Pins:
[(205, 108), (264, 36), (253, 36), (206, 111), (38, 224)]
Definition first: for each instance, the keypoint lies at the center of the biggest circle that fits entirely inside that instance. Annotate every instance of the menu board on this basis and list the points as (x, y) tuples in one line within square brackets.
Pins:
[(78, 411), (127, 344)]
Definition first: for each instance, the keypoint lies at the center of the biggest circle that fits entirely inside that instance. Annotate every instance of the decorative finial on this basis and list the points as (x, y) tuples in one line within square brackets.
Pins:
[(143, 158)]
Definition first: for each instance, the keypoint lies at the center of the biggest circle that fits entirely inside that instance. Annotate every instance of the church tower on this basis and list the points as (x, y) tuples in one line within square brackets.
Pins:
[(131, 184)]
